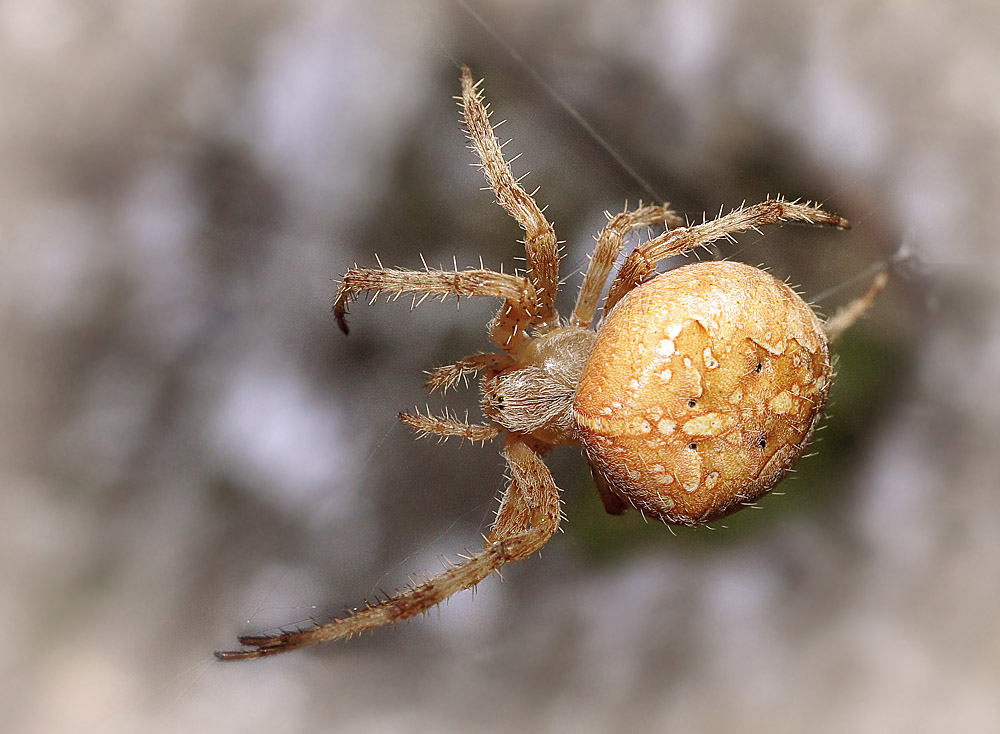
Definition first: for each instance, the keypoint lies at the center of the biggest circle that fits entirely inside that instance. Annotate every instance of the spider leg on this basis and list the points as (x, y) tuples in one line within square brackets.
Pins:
[(641, 263), (474, 282), (848, 314), (529, 476), (448, 376), (540, 242), (446, 426), (522, 501), (609, 244)]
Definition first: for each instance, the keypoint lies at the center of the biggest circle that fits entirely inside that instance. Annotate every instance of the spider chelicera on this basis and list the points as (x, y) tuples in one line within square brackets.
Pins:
[(693, 397)]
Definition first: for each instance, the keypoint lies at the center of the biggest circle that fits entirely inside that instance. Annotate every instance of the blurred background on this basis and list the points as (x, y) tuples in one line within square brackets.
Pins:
[(190, 450)]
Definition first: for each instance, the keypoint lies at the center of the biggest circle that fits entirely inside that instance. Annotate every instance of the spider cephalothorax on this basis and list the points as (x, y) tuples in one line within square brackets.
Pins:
[(693, 397)]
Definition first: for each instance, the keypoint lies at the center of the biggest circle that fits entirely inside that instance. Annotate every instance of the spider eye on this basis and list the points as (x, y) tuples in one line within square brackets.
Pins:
[(762, 442), (692, 403), (759, 368)]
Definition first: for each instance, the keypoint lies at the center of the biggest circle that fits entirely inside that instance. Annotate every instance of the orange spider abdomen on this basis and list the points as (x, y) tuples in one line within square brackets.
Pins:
[(702, 390)]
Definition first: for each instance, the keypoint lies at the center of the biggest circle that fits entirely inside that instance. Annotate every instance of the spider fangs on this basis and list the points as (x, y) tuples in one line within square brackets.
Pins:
[(693, 398)]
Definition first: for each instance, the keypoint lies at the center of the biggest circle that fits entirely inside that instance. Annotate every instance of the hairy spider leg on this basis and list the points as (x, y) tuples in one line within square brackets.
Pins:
[(447, 426), (448, 376), (510, 541), (541, 247), (849, 313), (641, 263), (609, 245), (515, 289)]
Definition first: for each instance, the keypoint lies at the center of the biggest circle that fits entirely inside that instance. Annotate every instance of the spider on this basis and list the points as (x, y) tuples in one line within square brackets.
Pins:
[(693, 397)]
